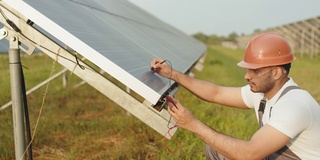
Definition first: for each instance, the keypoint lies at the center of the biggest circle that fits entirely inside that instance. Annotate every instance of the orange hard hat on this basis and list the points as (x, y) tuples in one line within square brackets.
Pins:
[(266, 50)]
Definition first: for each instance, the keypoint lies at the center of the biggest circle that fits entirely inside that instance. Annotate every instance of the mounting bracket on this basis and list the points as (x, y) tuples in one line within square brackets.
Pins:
[(3, 33)]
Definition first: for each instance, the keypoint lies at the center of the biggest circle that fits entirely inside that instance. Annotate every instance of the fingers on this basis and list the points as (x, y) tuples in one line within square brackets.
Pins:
[(155, 64), (182, 116), (172, 104), (172, 100), (155, 61), (172, 110)]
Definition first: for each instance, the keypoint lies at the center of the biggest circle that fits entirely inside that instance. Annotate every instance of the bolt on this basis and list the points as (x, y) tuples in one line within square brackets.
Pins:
[(13, 39), (3, 32)]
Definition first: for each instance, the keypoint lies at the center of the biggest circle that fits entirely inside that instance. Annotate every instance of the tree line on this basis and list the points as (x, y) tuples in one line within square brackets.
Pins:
[(216, 40)]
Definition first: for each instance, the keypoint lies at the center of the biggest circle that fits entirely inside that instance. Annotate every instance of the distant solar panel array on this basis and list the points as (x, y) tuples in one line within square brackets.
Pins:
[(303, 36), (114, 35)]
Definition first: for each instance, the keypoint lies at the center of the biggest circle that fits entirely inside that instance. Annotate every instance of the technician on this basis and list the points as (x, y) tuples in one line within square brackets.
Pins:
[(289, 117)]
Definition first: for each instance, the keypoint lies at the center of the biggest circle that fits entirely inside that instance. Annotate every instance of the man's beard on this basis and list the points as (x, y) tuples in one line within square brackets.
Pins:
[(263, 87)]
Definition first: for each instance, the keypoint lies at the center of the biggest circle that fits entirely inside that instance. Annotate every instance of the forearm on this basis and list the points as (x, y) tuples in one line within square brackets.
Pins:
[(227, 96), (228, 146), (202, 89)]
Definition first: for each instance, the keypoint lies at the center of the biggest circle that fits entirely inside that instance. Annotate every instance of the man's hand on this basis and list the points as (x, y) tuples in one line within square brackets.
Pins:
[(182, 116), (161, 67)]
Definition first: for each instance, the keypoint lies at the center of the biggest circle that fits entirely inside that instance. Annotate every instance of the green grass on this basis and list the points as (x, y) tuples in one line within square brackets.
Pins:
[(82, 123)]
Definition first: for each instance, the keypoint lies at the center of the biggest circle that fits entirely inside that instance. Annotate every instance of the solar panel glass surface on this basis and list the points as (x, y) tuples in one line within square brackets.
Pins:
[(117, 36)]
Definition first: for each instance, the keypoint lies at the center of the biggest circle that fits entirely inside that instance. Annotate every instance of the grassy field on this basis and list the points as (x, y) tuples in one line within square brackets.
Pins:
[(81, 123)]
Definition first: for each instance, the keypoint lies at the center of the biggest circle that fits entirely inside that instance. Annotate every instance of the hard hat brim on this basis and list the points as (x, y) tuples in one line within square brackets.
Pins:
[(245, 65)]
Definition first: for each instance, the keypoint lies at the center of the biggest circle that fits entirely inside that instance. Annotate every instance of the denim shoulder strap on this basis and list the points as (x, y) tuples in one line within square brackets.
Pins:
[(286, 90)]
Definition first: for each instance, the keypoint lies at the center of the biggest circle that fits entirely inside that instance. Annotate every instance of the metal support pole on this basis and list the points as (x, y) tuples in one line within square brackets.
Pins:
[(17, 99)]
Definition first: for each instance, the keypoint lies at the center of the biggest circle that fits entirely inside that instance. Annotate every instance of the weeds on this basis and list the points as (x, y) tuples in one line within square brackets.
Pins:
[(81, 123)]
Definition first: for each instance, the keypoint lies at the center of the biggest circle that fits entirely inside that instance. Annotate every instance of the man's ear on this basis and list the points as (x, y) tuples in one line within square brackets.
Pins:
[(277, 73)]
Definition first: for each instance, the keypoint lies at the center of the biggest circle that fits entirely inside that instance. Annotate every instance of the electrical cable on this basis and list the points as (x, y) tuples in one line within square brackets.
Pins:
[(24, 96), (25, 105), (82, 67), (26, 114), (169, 121), (41, 108)]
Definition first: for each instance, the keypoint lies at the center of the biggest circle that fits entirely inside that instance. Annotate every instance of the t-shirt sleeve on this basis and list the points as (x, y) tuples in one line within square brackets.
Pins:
[(292, 119), (246, 92)]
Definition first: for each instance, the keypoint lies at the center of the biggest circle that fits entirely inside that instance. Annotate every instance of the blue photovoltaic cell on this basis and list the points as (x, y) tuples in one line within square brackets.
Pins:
[(124, 34)]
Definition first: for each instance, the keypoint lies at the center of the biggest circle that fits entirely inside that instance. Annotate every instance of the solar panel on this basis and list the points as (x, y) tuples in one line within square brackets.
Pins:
[(117, 37)]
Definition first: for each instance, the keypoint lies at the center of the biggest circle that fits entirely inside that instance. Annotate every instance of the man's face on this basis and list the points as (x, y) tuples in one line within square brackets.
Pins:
[(260, 80)]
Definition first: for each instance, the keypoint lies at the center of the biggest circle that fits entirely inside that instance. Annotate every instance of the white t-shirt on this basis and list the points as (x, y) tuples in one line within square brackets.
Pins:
[(296, 114)]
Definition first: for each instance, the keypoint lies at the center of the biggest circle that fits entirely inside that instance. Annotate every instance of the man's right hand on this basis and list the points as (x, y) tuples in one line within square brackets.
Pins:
[(161, 67)]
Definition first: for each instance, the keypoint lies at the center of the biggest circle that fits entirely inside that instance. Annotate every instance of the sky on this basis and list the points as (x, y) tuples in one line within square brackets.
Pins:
[(222, 17)]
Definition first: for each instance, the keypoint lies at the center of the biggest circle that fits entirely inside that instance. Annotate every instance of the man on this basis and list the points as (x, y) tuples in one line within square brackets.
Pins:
[(290, 117)]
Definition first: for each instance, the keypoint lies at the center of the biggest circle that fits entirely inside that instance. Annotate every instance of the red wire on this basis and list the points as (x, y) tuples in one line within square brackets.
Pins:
[(176, 125), (176, 140)]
